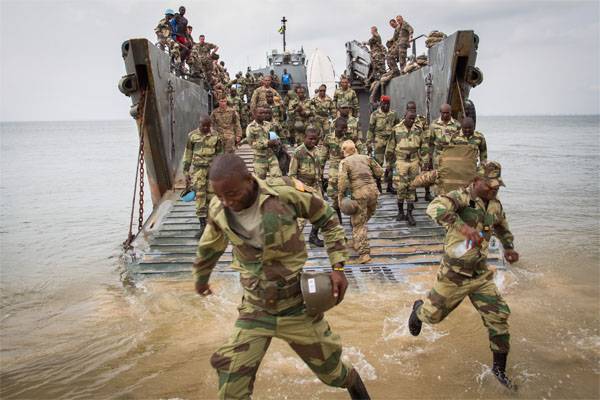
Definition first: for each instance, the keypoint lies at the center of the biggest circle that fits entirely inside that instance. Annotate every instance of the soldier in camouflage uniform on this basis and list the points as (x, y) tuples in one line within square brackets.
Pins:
[(353, 132), (411, 149), (357, 174), (306, 167), (300, 114), (471, 214), (202, 57), (404, 37), (474, 138), (257, 134), (346, 94), (411, 106), (237, 103), (259, 219), (259, 96), (226, 121), (381, 125), (377, 55), (443, 132), (163, 30), (392, 45), (203, 145), (277, 115), (324, 109)]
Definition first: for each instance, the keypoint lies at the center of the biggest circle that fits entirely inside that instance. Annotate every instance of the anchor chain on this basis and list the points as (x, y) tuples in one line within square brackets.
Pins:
[(428, 90), (171, 90)]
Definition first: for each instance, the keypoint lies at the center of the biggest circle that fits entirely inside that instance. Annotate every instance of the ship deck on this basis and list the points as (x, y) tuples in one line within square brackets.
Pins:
[(397, 250)]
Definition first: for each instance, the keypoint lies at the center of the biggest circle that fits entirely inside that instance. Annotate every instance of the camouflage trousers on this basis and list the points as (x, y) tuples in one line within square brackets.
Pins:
[(268, 166), (392, 58), (203, 189), (380, 154), (366, 209), (237, 361), (402, 50), (406, 171), (323, 126), (332, 186), (450, 288), (378, 63), (229, 142), (317, 190)]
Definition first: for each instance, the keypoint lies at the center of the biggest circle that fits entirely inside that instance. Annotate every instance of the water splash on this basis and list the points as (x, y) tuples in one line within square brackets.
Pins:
[(356, 357), (397, 327)]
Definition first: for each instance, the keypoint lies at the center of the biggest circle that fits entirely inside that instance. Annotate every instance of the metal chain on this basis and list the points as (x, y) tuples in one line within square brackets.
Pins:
[(171, 90), (428, 90), (141, 200)]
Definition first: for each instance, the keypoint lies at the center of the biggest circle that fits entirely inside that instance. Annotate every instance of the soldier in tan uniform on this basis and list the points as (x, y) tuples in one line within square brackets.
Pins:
[(346, 94), (443, 132), (474, 138), (357, 173), (381, 125), (306, 167), (226, 121), (203, 145)]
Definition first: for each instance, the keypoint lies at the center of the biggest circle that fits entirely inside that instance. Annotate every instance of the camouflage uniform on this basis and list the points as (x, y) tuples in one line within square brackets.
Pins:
[(410, 151), (265, 161), (341, 96), (306, 167), (469, 275), (299, 121), (227, 124), (199, 152), (381, 126), (332, 151), (392, 53), (357, 172), (377, 56), (163, 33), (200, 58), (324, 110), (238, 105), (477, 140), (259, 98), (353, 133), (406, 32), (272, 305), (441, 136)]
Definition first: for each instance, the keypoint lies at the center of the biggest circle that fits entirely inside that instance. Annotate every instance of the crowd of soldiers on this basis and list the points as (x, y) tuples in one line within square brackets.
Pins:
[(263, 214)]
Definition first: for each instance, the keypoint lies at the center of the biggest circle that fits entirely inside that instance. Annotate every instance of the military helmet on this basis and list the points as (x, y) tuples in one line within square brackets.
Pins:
[(317, 292), (349, 206), (169, 11)]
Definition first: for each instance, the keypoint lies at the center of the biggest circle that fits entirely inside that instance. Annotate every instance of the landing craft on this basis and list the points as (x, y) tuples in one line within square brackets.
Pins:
[(167, 106)]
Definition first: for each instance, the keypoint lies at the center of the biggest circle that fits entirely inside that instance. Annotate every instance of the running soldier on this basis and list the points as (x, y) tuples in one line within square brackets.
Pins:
[(471, 216), (203, 145), (257, 134), (381, 126), (259, 219), (226, 121)]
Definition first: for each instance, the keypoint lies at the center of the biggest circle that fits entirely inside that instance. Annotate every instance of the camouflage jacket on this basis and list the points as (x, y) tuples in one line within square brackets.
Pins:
[(305, 115), (226, 121), (381, 124), (237, 103), (421, 120), (163, 29), (278, 112), (346, 96), (201, 149), (375, 44), (357, 173), (202, 50), (409, 145), (324, 108), (282, 201), (352, 134), (258, 138), (305, 166), (259, 97), (477, 140), (332, 149), (460, 207), (405, 32), (442, 135)]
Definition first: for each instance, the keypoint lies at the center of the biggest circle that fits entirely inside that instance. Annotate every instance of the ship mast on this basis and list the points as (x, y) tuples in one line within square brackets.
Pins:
[(283, 29)]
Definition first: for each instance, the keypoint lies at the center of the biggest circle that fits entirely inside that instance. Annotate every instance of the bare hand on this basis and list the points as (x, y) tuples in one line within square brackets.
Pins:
[(203, 289), (511, 255), (339, 285), (471, 234)]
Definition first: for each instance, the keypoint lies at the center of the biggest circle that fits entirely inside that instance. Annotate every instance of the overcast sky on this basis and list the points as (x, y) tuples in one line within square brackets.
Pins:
[(61, 60)]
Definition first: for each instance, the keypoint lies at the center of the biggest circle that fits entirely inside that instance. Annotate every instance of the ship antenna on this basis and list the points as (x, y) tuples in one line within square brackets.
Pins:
[(282, 30)]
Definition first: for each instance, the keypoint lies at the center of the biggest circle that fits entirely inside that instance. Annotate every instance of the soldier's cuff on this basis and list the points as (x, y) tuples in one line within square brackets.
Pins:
[(338, 257)]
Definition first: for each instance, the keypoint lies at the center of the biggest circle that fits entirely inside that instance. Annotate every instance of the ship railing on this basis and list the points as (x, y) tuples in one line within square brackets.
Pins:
[(413, 44)]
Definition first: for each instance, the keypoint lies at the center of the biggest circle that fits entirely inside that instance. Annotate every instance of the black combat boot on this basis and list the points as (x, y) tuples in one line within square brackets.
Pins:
[(499, 370), (339, 213), (313, 238), (400, 216), (389, 178), (428, 196), (202, 226), (357, 389), (409, 217), (378, 182), (414, 323)]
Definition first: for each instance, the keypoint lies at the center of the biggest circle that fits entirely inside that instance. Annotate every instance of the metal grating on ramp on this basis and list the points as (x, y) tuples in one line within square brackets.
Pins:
[(169, 248)]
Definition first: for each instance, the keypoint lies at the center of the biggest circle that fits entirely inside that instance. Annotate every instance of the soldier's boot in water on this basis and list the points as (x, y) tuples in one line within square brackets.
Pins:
[(400, 216), (428, 196), (357, 389), (409, 217), (378, 182), (313, 238), (499, 371), (414, 323), (202, 226), (339, 214), (388, 178)]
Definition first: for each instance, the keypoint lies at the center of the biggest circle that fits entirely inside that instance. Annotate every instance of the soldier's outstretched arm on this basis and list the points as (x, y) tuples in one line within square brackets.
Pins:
[(211, 246)]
